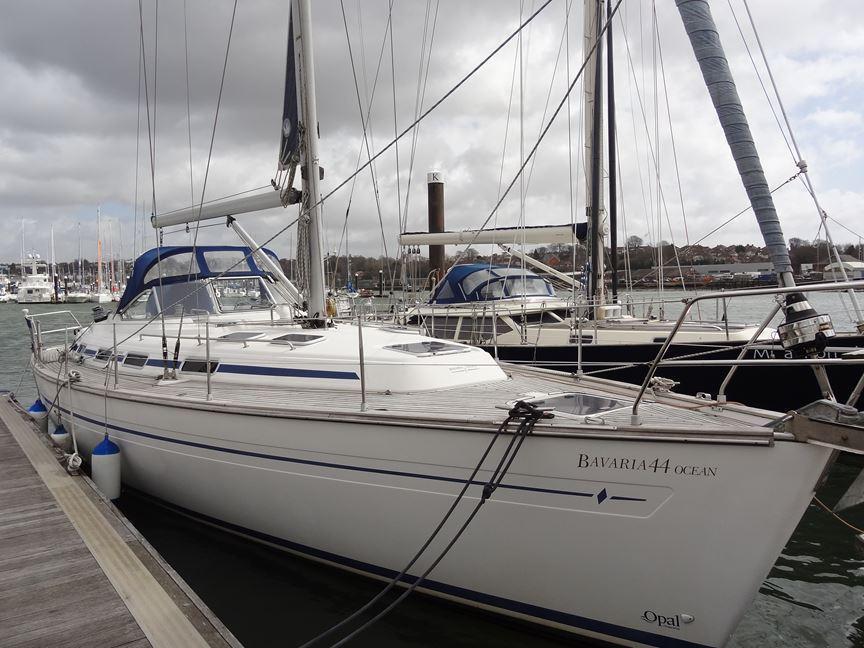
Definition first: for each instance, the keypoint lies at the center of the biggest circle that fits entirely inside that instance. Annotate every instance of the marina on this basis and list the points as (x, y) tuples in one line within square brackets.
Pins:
[(239, 447), (67, 555)]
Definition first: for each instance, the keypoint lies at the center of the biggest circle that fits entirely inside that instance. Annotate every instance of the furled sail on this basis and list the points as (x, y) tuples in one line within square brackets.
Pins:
[(289, 145)]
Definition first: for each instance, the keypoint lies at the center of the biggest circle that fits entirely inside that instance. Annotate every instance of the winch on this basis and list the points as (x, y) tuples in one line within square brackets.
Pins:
[(804, 332)]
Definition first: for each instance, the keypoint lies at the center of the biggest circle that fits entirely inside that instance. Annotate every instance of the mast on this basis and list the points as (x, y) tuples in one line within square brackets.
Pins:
[(593, 102), (613, 171), (311, 178), (112, 274), (98, 249), (54, 282), (804, 332), (80, 260), (21, 268)]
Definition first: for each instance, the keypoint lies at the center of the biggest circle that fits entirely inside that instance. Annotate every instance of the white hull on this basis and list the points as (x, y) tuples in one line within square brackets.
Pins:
[(555, 545), (100, 298), (77, 298), (35, 296)]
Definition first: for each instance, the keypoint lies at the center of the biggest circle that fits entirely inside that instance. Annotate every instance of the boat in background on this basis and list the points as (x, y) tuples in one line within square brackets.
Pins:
[(35, 286)]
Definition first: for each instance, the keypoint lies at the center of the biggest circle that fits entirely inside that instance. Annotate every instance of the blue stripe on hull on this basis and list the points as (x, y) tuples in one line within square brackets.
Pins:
[(508, 605), (288, 372)]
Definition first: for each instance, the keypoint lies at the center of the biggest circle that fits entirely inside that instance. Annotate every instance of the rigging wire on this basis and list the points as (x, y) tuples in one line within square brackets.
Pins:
[(137, 175), (188, 108), (212, 134), (366, 122), (420, 95), (545, 131), (151, 136), (355, 173), (808, 184)]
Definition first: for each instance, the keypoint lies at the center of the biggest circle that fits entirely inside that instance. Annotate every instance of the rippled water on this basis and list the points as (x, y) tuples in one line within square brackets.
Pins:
[(813, 597)]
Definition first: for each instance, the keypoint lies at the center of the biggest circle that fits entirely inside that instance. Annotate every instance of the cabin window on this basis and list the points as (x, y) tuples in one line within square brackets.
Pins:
[(185, 298), (298, 339), (226, 261), (544, 317), (446, 292), (427, 348), (135, 360), (103, 354), (442, 327), (176, 265), (492, 290), (481, 328), (199, 366), (244, 293), (528, 285), (138, 308), (473, 280)]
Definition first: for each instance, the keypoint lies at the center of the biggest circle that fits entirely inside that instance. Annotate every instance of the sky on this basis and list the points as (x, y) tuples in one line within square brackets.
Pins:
[(76, 128)]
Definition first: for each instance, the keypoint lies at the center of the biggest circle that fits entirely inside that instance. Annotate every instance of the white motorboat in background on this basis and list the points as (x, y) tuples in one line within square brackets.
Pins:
[(35, 286)]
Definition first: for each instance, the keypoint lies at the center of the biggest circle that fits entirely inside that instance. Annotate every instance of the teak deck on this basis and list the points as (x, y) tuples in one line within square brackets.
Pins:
[(73, 572)]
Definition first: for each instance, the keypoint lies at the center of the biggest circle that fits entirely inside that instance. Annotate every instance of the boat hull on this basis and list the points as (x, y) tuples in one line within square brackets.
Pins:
[(573, 540), (790, 386)]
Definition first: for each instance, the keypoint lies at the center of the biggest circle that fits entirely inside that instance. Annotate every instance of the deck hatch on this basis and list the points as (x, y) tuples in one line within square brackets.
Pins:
[(298, 339), (580, 404), (240, 336), (427, 347)]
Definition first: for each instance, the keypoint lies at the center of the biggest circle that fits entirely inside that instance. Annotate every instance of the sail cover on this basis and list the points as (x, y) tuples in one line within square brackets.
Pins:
[(289, 145)]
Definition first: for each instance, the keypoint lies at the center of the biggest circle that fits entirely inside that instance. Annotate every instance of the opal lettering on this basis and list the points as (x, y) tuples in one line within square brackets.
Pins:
[(673, 622)]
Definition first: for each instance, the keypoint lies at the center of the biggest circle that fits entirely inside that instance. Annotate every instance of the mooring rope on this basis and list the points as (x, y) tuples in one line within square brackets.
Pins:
[(530, 414)]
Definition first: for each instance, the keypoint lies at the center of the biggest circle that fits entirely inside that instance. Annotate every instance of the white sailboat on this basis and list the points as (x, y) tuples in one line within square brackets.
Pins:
[(79, 295), (101, 295), (642, 519)]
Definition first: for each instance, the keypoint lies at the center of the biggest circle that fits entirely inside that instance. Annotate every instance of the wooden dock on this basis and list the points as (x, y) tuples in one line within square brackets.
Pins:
[(73, 570)]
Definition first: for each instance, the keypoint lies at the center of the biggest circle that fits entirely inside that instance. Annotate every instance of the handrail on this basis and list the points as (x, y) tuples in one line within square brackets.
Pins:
[(36, 316), (690, 301)]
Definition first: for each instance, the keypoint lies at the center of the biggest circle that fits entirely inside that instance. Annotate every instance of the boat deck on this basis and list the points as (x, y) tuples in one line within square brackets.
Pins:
[(479, 405), (72, 573)]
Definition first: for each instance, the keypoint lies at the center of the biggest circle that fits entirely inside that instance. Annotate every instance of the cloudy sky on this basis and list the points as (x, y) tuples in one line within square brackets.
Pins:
[(71, 118)]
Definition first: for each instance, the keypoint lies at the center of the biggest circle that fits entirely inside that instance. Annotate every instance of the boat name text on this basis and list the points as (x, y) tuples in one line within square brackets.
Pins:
[(655, 465)]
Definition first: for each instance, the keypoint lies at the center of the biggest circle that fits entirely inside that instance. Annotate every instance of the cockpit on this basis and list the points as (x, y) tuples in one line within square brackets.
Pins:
[(207, 279), (473, 282)]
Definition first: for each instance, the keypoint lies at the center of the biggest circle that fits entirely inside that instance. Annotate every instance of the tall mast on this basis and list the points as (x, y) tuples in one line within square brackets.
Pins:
[(803, 332), (80, 261), (53, 269), (613, 171), (112, 275), (98, 249), (311, 178), (21, 268), (593, 110)]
